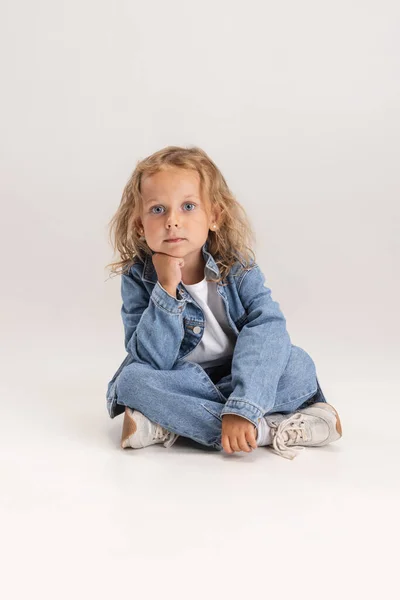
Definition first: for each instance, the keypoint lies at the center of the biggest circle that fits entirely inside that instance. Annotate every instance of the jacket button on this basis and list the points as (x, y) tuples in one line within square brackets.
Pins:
[(196, 329)]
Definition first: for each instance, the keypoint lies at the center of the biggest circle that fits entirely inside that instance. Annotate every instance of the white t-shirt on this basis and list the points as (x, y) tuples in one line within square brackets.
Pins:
[(218, 340)]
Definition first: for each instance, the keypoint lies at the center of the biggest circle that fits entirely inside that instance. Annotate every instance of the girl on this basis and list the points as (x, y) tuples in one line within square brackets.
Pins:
[(208, 353)]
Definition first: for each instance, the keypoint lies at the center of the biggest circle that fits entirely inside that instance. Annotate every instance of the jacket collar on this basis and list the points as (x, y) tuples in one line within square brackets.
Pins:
[(150, 273)]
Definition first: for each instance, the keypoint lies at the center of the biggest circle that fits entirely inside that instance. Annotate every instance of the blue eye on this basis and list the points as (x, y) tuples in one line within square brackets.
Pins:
[(159, 206)]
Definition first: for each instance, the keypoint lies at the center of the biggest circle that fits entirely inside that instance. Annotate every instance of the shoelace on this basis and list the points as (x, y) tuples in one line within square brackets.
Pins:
[(291, 430), (164, 435)]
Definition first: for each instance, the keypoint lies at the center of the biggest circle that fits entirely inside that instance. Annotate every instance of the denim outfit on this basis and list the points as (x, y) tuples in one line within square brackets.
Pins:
[(266, 374)]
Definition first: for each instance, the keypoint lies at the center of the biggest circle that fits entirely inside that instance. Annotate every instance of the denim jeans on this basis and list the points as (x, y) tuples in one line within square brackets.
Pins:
[(188, 399)]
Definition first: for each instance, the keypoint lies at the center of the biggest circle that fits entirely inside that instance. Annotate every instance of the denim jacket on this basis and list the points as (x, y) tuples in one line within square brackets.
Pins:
[(160, 330)]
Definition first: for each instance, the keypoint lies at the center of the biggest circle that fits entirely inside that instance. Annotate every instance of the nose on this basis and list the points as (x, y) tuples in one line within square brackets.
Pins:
[(172, 220)]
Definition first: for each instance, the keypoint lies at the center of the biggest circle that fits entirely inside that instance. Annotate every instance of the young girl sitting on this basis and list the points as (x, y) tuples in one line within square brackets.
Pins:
[(208, 353)]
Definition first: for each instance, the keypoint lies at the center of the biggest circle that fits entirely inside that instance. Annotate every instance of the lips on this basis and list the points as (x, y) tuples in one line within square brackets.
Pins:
[(174, 239)]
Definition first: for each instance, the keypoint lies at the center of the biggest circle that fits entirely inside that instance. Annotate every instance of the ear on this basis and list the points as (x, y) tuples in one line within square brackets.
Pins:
[(138, 225), (215, 215)]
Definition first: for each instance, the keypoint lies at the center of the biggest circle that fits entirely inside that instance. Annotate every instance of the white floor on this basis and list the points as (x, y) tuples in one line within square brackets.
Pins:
[(83, 518)]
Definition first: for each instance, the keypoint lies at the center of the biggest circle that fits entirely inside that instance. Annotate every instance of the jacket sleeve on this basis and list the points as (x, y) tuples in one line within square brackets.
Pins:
[(261, 352), (153, 323)]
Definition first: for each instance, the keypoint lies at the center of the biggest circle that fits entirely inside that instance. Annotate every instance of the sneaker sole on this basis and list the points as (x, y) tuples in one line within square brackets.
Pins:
[(128, 428), (338, 422)]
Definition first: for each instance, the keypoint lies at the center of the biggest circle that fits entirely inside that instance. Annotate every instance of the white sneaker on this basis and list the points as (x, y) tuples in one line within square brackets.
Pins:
[(138, 431), (316, 425)]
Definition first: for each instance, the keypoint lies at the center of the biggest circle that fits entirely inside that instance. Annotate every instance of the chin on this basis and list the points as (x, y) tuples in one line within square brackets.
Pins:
[(171, 249)]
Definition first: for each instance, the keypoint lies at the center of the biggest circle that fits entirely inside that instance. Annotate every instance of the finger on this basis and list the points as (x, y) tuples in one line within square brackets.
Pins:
[(251, 438), (243, 443), (234, 444), (225, 444)]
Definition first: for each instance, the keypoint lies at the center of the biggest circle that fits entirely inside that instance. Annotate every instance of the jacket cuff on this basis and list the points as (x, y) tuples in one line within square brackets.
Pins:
[(244, 409), (164, 300)]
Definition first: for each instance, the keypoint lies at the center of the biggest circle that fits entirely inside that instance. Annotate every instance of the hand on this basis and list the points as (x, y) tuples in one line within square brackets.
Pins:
[(237, 434), (168, 269)]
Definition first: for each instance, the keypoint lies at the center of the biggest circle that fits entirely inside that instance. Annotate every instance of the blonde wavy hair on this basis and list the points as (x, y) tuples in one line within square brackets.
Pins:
[(231, 242)]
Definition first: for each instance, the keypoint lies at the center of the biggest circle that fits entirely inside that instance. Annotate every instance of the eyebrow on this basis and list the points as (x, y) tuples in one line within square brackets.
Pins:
[(185, 198)]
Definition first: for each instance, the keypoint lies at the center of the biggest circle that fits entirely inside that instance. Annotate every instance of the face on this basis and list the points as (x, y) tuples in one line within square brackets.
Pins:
[(173, 208)]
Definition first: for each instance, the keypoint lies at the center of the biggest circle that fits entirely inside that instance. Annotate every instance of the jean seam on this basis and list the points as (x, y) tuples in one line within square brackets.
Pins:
[(246, 271), (259, 408), (304, 398), (211, 412), (208, 382)]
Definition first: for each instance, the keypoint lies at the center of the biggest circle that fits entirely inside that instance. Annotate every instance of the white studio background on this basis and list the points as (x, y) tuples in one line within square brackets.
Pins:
[(296, 102)]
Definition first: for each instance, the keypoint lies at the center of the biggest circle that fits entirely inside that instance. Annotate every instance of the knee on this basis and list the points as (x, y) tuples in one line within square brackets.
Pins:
[(133, 378), (301, 365)]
